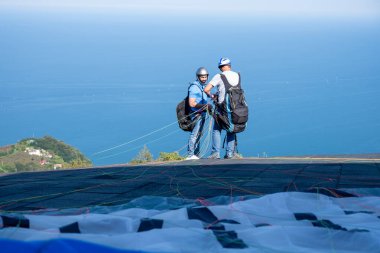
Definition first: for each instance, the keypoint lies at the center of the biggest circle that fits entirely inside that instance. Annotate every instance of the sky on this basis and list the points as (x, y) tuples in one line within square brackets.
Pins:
[(362, 9)]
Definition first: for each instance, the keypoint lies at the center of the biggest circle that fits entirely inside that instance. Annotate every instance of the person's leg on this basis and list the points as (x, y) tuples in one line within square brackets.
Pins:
[(230, 144), (215, 151), (193, 138), (199, 136)]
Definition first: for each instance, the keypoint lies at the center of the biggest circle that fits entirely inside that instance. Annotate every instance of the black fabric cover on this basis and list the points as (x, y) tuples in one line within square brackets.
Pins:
[(149, 224), (15, 222), (72, 228)]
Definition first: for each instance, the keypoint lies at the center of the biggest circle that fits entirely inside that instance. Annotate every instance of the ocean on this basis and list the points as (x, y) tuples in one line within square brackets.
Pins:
[(108, 85)]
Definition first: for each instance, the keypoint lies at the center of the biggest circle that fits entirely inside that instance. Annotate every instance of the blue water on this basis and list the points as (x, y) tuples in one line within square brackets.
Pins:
[(312, 87)]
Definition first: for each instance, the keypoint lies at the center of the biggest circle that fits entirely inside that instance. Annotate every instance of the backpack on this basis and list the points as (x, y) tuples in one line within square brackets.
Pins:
[(232, 113), (184, 114)]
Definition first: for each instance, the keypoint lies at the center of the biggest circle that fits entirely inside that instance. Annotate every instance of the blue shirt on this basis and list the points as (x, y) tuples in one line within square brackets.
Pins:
[(196, 91)]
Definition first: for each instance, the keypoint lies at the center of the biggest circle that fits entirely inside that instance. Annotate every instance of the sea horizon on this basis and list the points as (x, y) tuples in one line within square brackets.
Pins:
[(97, 84)]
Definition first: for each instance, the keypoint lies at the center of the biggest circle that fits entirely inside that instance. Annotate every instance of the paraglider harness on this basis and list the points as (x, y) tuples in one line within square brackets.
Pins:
[(232, 114), (184, 113)]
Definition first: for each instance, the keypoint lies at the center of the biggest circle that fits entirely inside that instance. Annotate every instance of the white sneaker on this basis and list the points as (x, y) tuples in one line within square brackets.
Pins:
[(193, 157)]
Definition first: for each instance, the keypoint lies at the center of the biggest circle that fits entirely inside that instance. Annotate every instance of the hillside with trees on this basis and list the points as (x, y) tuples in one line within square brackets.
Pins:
[(35, 154)]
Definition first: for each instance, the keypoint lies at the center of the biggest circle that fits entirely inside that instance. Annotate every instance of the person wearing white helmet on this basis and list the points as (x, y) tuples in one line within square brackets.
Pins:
[(224, 66), (199, 106)]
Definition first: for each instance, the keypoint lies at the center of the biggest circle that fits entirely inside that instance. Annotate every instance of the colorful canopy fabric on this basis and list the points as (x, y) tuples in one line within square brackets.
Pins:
[(280, 222)]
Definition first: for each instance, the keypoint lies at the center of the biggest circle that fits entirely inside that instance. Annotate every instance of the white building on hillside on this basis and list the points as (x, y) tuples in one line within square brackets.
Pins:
[(38, 152)]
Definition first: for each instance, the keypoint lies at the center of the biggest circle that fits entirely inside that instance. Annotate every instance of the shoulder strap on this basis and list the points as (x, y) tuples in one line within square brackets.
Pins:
[(191, 84), (202, 91), (188, 90), (227, 85), (239, 84)]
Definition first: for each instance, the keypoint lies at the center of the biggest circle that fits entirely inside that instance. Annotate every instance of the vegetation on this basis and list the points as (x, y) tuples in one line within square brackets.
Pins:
[(33, 154), (173, 156), (144, 156), (6, 150), (63, 152), (48, 153)]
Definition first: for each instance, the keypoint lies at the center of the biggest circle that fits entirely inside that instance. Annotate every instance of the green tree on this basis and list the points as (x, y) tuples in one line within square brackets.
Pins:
[(7, 168), (143, 156), (172, 156), (24, 167)]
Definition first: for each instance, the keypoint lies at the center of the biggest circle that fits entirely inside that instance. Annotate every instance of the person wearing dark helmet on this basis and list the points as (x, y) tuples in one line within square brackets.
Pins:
[(199, 106), (233, 79)]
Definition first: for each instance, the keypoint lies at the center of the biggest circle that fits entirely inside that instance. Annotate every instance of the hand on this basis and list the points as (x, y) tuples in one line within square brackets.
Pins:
[(208, 108), (214, 98)]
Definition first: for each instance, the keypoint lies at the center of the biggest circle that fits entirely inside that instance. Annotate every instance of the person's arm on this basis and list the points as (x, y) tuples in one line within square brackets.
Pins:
[(194, 104), (213, 82), (208, 89), (193, 94)]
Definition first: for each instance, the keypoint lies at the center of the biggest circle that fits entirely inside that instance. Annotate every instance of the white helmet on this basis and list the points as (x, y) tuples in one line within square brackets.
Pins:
[(224, 61)]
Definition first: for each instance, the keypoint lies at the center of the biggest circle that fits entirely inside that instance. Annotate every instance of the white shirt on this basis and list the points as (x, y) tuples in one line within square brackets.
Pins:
[(232, 78)]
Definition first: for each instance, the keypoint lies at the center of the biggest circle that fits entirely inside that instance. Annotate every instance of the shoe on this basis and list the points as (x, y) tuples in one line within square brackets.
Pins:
[(192, 157), (234, 156), (214, 156)]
